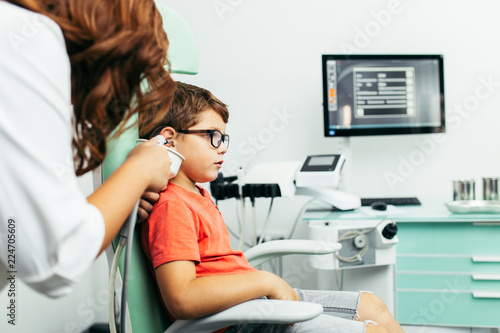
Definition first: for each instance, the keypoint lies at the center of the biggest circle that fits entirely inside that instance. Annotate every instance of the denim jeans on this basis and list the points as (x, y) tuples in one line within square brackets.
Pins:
[(339, 315)]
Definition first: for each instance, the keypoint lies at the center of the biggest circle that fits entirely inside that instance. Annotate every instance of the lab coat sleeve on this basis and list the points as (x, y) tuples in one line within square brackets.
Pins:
[(57, 233)]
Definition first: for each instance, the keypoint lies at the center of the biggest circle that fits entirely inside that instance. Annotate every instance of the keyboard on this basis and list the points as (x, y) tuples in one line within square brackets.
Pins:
[(401, 201)]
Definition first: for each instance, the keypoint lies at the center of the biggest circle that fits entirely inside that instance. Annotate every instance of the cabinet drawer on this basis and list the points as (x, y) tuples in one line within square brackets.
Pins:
[(447, 307), (448, 238), (447, 264), (469, 282)]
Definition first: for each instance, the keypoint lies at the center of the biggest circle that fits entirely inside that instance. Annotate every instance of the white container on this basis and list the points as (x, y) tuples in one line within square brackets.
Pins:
[(175, 157)]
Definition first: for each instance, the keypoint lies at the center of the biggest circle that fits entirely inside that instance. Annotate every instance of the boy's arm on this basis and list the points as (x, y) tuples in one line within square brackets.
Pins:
[(188, 297)]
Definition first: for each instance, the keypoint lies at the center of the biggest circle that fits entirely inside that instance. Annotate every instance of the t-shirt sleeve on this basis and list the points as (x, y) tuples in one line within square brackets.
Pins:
[(173, 233)]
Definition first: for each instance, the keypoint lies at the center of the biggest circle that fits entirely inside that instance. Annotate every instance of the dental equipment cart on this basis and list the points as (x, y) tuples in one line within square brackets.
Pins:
[(447, 265)]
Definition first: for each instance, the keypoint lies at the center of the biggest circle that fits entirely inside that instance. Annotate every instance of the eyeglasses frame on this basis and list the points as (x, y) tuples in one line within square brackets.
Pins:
[(224, 137)]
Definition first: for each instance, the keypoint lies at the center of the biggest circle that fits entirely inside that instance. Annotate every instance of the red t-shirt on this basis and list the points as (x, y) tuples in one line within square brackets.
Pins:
[(186, 226)]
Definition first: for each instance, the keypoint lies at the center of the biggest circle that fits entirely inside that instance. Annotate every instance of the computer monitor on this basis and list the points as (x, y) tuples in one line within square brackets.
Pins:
[(383, 94)]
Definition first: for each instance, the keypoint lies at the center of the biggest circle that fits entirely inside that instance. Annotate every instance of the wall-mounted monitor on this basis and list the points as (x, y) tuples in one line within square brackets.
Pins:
[(383, 94)]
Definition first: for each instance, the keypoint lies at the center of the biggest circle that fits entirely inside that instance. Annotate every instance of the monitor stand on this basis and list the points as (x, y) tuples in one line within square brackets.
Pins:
[(344, 148)]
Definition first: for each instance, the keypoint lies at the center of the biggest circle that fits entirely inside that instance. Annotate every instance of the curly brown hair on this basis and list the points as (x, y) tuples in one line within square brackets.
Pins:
[(113, 46)]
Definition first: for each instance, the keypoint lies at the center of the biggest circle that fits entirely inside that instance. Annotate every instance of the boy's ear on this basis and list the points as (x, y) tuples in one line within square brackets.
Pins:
[(170, 135)]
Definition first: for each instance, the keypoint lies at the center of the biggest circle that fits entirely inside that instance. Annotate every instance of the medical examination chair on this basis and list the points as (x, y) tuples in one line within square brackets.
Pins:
[(145, 311)]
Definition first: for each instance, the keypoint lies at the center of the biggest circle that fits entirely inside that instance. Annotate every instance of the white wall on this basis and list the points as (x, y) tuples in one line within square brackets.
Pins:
[(263, 58)]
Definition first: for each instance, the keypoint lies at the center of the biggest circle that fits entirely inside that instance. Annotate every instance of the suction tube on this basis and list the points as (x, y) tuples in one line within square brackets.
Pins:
[(125, 242), (111, 285)]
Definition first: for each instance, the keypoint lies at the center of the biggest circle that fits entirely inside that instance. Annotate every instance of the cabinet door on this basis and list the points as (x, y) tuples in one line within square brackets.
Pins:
[(448, 274), (449, 238), (448, 308)]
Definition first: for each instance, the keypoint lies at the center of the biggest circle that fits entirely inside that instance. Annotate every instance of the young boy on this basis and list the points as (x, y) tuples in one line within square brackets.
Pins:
[(188, 244)]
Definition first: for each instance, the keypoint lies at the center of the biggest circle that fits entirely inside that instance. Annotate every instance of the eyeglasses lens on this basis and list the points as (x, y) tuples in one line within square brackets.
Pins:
[(215, 139), (218, 138)]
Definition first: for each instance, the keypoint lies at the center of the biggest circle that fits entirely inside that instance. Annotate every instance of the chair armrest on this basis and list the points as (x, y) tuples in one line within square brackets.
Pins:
[(272, 249), (255, 311)]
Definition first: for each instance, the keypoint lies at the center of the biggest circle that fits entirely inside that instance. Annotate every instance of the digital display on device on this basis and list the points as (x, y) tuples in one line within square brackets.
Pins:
[(383, 94), (321, 163), (322, 160)]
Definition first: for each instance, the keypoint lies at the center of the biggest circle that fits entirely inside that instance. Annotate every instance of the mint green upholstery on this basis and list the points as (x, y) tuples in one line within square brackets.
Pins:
[(183, 52), (144, 305)]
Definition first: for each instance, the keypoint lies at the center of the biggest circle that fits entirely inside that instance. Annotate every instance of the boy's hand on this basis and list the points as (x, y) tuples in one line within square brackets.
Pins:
[(282, 290), (148, 199)]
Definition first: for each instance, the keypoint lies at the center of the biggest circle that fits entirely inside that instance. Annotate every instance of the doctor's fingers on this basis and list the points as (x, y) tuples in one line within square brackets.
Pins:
[(142, 214), (147, 201), (150, 197)]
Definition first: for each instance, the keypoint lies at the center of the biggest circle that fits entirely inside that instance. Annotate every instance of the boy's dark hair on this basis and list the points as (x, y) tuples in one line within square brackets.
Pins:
[(188, 103)]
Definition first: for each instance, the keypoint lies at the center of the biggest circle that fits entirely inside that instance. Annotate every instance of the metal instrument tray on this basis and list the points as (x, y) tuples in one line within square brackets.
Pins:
[(474, 206)]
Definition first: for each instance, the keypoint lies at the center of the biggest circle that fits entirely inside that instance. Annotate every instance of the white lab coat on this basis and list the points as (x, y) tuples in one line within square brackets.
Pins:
[(57, 233)]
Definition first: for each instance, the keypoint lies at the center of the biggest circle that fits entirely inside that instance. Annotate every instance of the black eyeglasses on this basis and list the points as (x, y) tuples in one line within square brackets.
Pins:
[(216, 136)]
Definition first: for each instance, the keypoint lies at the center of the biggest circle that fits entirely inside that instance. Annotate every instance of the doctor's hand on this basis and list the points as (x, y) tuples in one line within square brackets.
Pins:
[(148, 199), (152, 164)]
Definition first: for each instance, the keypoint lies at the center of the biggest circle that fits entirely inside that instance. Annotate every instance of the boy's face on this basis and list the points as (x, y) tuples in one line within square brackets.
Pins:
[(203, 161)]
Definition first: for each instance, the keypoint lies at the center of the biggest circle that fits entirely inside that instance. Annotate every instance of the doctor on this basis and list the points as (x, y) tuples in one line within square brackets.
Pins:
[(92, 55)]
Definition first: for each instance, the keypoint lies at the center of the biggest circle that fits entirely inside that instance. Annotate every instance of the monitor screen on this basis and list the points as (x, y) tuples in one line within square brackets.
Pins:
[(383, 94)]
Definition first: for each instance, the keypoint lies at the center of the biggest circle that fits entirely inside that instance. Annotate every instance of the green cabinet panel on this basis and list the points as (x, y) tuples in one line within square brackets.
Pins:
[(448, 238), (447, 307), (435, 269), (445, 264), (445, 282)]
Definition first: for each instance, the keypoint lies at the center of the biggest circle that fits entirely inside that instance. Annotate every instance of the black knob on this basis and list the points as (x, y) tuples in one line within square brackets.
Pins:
[(390, 231)]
